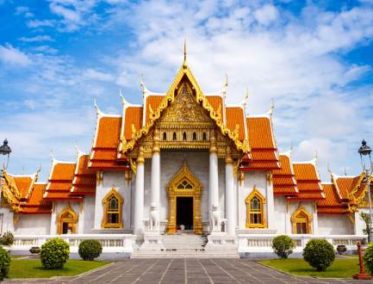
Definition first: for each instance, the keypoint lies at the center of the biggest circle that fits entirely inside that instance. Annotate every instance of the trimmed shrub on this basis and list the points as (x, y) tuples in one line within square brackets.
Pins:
[(54, 253), (7, 239), (4, 263), (319, 253), (90, 249), (283, 246), (34, 250), (368, 258)]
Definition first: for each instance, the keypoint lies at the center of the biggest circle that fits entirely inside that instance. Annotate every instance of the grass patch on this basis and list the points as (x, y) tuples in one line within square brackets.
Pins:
[(341, 268), (24, 268)]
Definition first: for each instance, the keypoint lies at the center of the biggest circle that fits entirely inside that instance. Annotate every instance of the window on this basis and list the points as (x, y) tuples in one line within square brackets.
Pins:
[(194, 136), (164, 136), (184, 136), (174, 136), (255, 210), (204, 136), (184, 185), (112, 217), (301, 221)]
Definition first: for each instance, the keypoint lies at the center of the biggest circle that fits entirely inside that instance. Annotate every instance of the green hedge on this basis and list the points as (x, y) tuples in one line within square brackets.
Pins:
[(319, 253), (4, 263), (90, 249), (54, 253), (368, 258)]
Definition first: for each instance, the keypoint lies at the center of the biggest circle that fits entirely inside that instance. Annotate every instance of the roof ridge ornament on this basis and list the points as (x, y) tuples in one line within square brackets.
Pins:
[(98, 111), (124, 101), (185, 54), (271, 109), (225, 87), (245, 100)]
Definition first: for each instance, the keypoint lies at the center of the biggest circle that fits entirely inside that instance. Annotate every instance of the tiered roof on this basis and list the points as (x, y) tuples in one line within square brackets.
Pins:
[(308, 182), (284, 182), (60, 181), (84, 181)]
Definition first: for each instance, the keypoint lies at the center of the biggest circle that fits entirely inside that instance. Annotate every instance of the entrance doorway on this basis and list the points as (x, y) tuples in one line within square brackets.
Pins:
[(184, 213)]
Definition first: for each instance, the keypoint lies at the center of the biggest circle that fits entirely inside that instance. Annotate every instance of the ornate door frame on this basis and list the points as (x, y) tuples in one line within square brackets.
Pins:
[(184, 184)]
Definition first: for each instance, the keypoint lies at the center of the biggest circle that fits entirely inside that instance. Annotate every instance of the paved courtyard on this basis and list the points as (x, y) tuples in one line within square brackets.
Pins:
[(191, 271)]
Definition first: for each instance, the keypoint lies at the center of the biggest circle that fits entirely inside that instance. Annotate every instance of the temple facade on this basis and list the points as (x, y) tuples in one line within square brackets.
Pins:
[(184, 163)]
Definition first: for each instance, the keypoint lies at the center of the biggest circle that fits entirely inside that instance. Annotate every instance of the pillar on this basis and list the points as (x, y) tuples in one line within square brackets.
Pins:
[(230, 194), (139, 194), (213, 175), (156, 177)]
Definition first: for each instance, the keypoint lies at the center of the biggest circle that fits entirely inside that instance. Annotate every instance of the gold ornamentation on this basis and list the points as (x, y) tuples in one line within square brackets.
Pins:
[(113, 205), (99, 177), (228, 158), (184, 82), (255, 213), (69, 217), (301, 218), (140, 157), (175, 190)]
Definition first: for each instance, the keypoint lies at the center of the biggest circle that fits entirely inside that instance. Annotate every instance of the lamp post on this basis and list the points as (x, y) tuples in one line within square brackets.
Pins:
[(365, 156), (4, 150)]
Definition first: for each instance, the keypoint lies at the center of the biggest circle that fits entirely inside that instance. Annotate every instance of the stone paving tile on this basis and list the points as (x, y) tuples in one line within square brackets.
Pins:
[(187, 271)]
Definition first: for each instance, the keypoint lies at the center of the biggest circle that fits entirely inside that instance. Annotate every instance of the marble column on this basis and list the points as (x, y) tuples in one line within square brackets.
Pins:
[(230, 194), (213, 177), (139, 195), (156, 180)]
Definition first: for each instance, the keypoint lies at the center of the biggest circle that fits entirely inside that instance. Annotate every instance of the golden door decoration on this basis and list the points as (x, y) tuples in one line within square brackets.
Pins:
[(68, 217), (301, 221), (176, 189)]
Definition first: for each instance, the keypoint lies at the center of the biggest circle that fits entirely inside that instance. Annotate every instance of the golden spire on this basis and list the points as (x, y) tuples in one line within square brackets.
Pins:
[(185, 54)]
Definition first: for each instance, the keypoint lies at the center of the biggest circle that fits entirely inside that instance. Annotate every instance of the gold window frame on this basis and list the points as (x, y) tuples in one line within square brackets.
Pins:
[(255, 193), (105, 202), (301, 216), (67, 215)]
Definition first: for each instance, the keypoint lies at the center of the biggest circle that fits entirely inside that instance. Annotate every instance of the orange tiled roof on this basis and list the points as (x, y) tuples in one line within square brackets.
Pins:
[(235, 117), (151, 102), (24, 185), (263, 147), (36, 204), (60, 181), (84, 181), (332, 204), (346, 185), (105, 147), (308, 182), (216, 102), (284, 182)]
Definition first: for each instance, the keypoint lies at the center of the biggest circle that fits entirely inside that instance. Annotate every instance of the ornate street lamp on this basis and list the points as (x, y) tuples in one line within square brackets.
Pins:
[(5, 150), (366, 162)]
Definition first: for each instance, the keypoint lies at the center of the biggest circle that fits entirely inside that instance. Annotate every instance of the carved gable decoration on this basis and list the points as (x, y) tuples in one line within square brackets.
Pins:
[(184, 109)]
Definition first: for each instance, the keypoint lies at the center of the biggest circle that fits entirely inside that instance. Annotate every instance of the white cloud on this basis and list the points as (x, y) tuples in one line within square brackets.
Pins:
[(92, 74), (37, 38), (266, 14), (12, 56), (40, 23)]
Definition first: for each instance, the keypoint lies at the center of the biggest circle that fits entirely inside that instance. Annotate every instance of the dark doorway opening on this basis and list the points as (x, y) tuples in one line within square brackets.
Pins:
[(184, 213)]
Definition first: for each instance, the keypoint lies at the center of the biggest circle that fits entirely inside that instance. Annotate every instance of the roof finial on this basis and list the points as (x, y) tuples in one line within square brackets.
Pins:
[(98, 111), (245, 100), (328, 168), (185, 54), (345, 171), (124, 101), (270, 112), (225, 87)]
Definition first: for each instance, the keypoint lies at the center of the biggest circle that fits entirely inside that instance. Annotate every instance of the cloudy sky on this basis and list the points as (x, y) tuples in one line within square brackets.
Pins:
[(313, 58)]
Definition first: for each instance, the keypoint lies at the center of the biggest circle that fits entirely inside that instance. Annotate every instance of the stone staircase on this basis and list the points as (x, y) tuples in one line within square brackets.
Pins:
[(184, 246)]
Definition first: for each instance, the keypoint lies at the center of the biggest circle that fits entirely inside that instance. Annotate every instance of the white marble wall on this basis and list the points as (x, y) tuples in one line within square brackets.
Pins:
[(33, 224), (114, 179), (7, 220), (335, 225)]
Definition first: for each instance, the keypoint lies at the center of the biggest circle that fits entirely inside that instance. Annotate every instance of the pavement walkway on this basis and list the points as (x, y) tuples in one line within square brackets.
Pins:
[(187, 271)]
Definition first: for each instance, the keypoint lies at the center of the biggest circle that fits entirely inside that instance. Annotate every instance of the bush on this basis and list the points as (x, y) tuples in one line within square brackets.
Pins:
[(319, 253), (368, 258), (54, 253), (7, 239), (90, 249), (341, 249), (283, 246), (4, 263), (35, 250)]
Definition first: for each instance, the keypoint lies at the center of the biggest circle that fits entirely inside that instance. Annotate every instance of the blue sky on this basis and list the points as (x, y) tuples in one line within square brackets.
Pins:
[(313, 58)]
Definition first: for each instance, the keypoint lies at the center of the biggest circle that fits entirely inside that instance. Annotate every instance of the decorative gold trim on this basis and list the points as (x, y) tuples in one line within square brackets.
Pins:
[(295, 218), (184, 72), (67, 215), (255, 193), (105, 203), (184, 174)]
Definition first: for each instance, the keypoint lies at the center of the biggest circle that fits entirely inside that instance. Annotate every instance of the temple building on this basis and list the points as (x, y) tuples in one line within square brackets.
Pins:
[(183, 164)]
